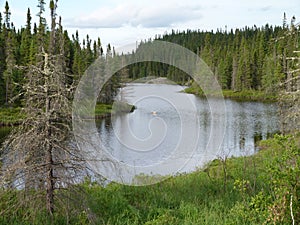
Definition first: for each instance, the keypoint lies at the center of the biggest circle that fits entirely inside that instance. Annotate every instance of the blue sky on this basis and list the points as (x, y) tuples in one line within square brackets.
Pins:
[(122, 22)]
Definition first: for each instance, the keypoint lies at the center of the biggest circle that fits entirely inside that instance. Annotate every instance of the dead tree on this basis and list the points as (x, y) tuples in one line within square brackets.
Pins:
[(289, 98), (39, 158)]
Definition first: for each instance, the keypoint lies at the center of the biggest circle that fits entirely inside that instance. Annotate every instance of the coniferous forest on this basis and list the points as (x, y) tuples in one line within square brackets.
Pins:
[(20, 47), (44, 177), (250, 58)]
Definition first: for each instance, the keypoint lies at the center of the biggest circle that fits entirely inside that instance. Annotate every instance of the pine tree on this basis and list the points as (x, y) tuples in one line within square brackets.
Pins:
[(45, 159), (10, 60), (10, 69), (77, 66), (41, 29), (7, 15), (284, 21), (2, 63), (26, 41)]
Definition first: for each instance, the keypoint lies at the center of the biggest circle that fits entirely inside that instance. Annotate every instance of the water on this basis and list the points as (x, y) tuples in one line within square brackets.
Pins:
[(173, 132)]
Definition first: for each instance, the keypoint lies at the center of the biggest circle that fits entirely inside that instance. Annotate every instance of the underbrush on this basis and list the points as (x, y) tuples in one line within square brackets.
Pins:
[(259, 189), (245, 95)]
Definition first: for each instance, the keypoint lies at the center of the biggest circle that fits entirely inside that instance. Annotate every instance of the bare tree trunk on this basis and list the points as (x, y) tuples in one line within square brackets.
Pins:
[(49, 157), (50, 181), (39, 158)]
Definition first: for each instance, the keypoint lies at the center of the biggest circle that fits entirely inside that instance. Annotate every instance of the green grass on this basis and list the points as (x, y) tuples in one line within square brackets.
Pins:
[(10, 116), (104, 110), (250, 95), (245, 95), (206, 196), (202, 197), (252, 188), (14, 116)]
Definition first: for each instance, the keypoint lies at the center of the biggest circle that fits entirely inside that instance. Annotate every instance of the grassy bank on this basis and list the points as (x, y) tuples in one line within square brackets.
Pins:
[(105, 110), (246, 95), (244, 190), (11, 116), (102, 110), (14, 116)]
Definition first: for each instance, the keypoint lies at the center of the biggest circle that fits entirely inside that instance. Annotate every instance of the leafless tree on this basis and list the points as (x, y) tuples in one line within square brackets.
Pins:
[(289, 98), (39, 158)]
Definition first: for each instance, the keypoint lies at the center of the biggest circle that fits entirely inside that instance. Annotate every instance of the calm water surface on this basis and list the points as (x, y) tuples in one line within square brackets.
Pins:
[(173, 132), (168, 123)]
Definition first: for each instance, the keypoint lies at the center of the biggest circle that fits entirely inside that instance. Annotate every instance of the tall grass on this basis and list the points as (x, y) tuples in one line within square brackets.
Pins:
[(201, 197)]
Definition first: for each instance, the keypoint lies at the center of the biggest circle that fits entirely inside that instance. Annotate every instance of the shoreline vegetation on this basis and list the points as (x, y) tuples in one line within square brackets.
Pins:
[(245, 95), (42, 172), (14, 116), (250, 190)]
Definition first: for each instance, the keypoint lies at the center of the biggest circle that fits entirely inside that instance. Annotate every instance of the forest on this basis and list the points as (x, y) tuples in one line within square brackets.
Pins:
[(44, 178), (250, 58), (19, 48)]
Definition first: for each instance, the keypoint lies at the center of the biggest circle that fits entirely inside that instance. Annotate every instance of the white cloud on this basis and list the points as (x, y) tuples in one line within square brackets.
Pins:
[(121, 22), (136, 15)]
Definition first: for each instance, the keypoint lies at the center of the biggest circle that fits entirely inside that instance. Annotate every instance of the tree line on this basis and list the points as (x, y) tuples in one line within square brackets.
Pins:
[(251, 58), (41, 68), (20, 48)]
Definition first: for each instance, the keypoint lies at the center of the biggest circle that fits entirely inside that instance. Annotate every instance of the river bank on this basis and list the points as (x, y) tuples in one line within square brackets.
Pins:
[(246, 95), (14, 116), (249, 190)]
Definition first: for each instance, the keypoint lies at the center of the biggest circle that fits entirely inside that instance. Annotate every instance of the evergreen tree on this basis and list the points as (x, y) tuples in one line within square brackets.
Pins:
[(45, 159), (26, 41), (7, 15), (41, 30), (10, 68), (2, 63)]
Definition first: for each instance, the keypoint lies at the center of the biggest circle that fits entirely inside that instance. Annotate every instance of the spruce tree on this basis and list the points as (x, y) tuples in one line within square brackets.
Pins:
[(10, 68), (26, 41), (38, 155)]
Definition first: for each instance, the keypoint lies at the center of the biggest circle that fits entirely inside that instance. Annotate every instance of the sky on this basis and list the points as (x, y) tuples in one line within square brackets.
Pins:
[(121, 23)]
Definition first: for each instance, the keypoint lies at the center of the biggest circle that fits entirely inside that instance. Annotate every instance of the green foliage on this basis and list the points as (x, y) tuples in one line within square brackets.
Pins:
[(245, 95), (259, 191), (11, 116), (242, 60), (19, 49), (102, 110), (284, 178), (272, 205), (264, 188), (13, 211)]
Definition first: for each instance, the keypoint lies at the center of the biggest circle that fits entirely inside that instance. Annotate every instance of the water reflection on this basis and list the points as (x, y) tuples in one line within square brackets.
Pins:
[(247, 123)]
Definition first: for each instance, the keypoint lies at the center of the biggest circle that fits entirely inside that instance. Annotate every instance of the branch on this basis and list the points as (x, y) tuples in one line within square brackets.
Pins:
[(291, 209)]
